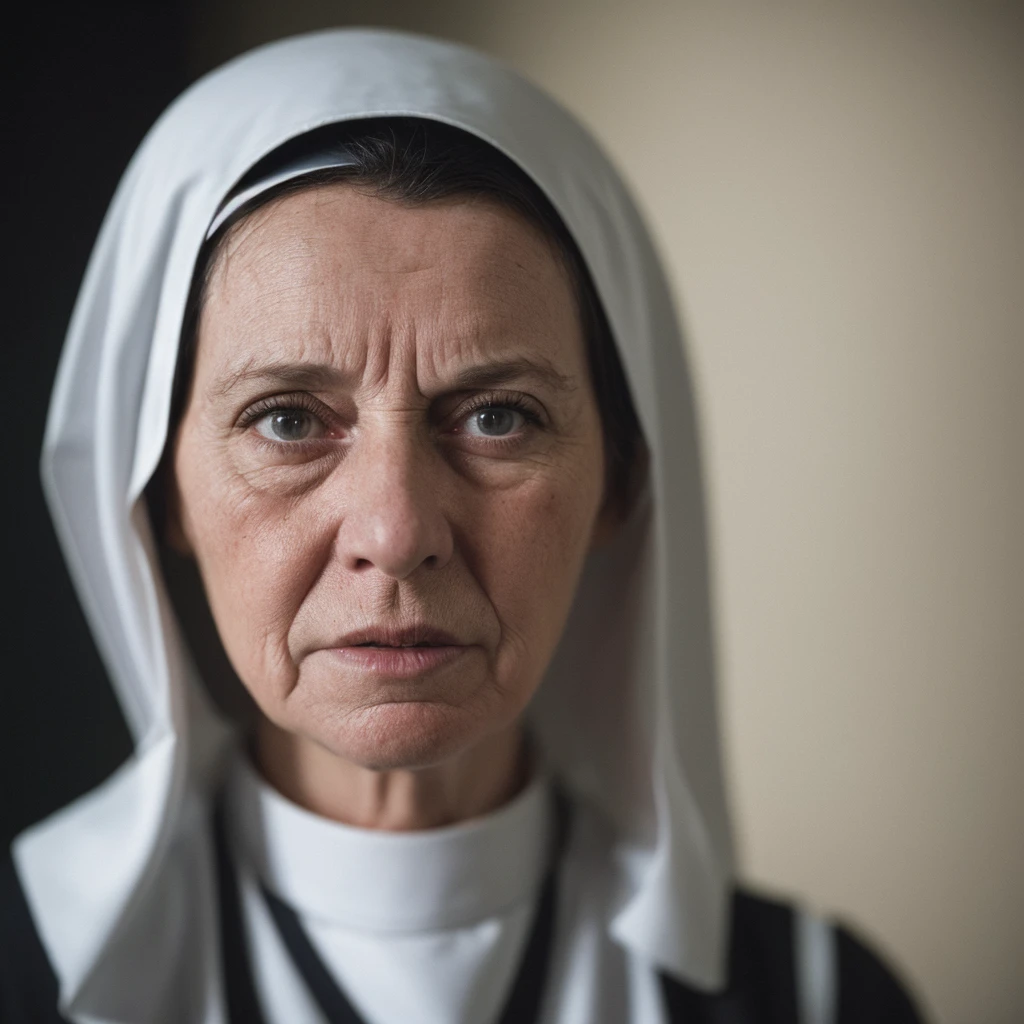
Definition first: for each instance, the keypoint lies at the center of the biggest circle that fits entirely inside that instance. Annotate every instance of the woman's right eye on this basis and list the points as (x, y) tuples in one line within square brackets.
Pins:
[(289, 425)]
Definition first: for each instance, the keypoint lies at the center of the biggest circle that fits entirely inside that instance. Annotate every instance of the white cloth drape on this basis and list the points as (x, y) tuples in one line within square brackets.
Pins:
[(119, 882)]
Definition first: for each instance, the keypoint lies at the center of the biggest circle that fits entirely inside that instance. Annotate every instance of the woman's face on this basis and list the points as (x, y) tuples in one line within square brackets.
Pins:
[(391, 439)]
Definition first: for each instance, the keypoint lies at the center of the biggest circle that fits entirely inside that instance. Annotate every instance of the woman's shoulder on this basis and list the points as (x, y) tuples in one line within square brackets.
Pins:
[(28, 986), (787, 964)]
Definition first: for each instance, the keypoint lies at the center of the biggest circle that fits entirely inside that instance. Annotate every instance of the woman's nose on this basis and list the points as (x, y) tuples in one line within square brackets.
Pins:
[(393, 517)]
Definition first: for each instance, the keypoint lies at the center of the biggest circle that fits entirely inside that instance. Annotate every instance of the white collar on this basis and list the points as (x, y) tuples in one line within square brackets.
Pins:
[(380, 881)]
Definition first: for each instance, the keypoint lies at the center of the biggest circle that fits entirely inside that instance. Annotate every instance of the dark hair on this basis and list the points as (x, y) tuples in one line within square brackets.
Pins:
[(414, 160)]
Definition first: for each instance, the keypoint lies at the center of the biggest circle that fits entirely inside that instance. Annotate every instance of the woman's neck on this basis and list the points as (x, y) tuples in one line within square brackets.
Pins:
[(472, 783)]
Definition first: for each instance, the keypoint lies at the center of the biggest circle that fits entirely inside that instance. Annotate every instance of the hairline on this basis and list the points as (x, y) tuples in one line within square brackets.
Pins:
[(251, 214)]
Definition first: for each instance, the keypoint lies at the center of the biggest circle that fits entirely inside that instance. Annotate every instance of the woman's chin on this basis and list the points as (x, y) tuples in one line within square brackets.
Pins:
[(400, 735)]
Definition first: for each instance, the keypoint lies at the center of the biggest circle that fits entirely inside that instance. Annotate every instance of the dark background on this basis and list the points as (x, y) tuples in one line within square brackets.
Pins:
[(84, 83)]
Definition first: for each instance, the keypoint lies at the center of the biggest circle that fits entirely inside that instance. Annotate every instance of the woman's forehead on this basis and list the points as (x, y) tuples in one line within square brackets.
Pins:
[(341, 228), (332, 276)]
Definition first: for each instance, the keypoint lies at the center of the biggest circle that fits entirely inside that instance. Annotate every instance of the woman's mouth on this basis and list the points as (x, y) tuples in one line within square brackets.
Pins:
[(402, 661), (372, 643), (399, 653)]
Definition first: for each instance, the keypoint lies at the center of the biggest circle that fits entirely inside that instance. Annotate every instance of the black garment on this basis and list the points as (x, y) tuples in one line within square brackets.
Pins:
[(762, 980), (762, 976)]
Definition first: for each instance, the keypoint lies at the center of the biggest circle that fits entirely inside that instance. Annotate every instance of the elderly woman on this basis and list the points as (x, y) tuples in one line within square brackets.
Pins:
[(374, 339)]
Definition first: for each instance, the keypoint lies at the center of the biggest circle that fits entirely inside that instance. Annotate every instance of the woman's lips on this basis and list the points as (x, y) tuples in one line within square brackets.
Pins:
[(399, 662)]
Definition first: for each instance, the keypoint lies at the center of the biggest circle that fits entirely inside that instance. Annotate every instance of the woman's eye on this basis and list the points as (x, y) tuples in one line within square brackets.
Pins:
[(289, 425), (494, 421)]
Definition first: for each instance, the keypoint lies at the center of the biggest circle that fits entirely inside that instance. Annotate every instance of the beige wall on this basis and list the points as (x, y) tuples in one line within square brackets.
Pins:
[(837, 190)]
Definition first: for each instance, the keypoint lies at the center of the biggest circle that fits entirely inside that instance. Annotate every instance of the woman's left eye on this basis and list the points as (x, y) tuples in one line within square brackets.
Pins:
[(289, 425), (494, 421)]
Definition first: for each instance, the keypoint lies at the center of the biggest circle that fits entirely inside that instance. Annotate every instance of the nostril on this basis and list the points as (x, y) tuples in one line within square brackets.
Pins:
[(395, 541)]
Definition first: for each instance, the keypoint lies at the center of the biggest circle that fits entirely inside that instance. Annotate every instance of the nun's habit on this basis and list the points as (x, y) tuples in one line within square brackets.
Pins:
[(132, 905)]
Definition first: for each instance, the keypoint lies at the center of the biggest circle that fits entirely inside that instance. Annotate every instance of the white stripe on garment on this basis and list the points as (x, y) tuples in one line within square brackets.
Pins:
[(814, 940)]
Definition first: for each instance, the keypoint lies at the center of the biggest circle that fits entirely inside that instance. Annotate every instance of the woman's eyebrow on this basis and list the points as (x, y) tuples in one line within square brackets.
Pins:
[(324, 377), (293, 376)]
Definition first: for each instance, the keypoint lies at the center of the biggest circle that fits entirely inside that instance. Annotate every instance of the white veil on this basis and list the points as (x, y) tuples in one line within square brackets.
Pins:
[(626, 717)]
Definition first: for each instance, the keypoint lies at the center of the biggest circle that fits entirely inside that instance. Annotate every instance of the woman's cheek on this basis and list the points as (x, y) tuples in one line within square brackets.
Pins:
[(538, 545), (257, 571)]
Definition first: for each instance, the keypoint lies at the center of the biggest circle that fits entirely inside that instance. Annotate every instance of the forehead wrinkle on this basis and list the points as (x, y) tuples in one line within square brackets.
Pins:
[(507, 335), (484, 351), (469, 372), (248, 239), (508, 307), (469, 349), (294, 305), (377, 350), (307, 302), (387, 341)]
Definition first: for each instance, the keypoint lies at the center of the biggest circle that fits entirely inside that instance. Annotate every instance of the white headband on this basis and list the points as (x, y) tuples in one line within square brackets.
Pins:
[(249, 189)]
